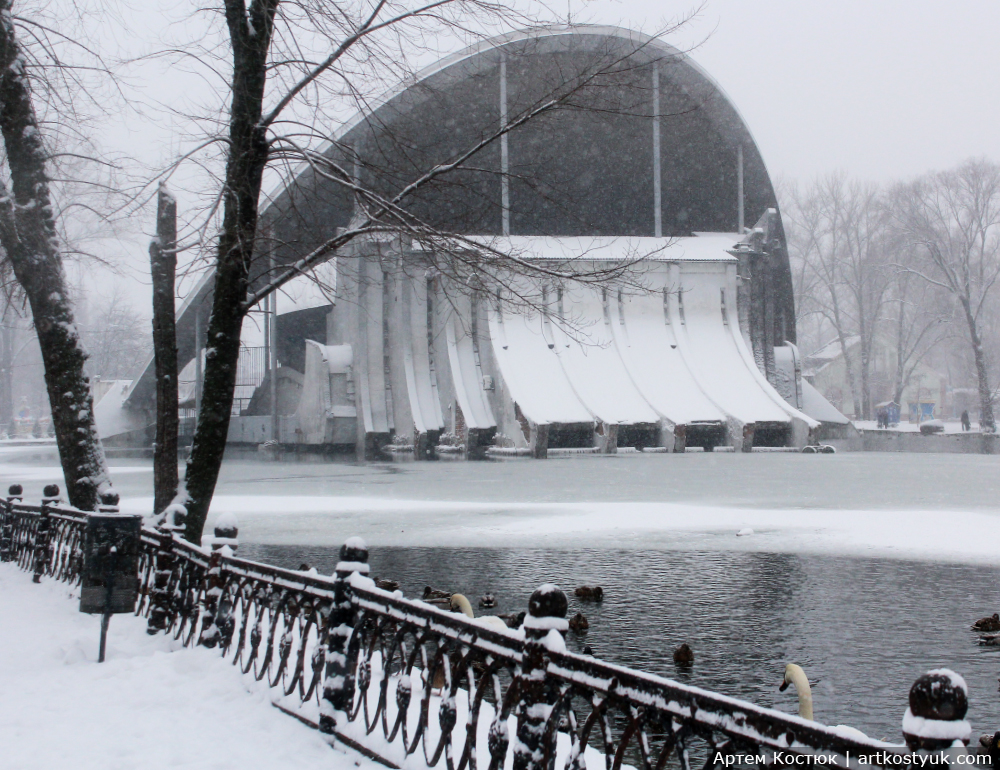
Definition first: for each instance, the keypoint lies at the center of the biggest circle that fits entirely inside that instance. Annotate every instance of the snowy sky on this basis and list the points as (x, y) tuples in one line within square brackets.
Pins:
[(882, 90)]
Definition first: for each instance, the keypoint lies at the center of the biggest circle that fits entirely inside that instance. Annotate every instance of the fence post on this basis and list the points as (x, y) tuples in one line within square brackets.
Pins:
[(160, 601), (338, 678), (217, 627), (42, 555), (546, 616), (7, 523)]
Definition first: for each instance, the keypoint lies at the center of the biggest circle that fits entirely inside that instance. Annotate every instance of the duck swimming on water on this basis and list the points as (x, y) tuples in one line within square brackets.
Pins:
[(990, 624)]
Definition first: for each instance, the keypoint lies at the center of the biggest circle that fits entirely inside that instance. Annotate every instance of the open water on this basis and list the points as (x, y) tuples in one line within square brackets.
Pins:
[(863, 629)]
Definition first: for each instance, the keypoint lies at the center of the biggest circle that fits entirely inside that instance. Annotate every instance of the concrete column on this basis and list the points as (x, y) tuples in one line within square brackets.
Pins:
[(539, 441), (609, 441), (680, 438)]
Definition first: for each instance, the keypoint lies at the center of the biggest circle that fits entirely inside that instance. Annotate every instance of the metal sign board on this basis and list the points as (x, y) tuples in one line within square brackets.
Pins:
[(110, 564)]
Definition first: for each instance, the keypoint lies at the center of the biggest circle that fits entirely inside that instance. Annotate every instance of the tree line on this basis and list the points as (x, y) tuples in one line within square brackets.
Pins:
[(909, 266)]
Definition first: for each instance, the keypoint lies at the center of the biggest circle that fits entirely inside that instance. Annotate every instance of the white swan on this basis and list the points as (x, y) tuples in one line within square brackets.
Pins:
[(796, 676), (462, 604)]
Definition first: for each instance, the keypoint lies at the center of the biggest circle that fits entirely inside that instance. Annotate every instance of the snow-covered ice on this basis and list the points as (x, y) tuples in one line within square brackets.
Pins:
[(920, 534), (927, 506), (151, 705)]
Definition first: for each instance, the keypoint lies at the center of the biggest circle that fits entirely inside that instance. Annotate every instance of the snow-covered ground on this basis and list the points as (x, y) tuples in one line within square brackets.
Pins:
[(913, 427), (150, 705)]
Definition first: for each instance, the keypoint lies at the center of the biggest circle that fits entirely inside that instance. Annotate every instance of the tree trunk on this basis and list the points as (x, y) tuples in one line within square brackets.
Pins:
[(986, 422), (28, 235), (6, 376), (163, 269), (250, 35)]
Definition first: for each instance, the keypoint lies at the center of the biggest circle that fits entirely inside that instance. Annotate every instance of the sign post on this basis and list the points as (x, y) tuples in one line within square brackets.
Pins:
[(110, 568)]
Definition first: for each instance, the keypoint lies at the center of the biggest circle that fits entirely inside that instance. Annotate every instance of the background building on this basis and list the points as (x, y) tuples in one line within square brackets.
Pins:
[(649, 163)]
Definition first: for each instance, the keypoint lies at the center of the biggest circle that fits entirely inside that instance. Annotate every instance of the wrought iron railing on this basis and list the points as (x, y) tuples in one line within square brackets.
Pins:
[(404, 681)]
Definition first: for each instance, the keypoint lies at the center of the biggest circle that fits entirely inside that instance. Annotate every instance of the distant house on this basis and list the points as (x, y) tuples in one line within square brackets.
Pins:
[(926, 395)]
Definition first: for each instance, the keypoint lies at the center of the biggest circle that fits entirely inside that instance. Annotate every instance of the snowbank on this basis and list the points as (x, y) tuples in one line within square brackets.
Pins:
[(150, 705)]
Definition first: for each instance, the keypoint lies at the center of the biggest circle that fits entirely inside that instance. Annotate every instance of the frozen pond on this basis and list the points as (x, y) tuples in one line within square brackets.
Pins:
[(863, 629), (848, 480), (865, 568)]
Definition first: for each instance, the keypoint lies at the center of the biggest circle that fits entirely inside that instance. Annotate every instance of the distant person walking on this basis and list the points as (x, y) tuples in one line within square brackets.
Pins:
[(966, 422), (882, 415)]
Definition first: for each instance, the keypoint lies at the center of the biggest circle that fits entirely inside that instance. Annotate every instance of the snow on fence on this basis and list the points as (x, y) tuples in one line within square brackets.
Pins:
[(409, 684)]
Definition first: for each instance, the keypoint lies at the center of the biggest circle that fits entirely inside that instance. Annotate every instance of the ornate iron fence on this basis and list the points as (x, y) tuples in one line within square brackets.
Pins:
[(405, 682)]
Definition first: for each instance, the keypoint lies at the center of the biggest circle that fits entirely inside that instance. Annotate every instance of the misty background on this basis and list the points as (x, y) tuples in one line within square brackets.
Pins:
[(848, 103)]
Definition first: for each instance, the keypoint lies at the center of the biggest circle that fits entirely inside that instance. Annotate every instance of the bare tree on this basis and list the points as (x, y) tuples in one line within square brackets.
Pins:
[(30, 239), (163, 269), (115, 337), (290, 60), (916, 324), (953, 217), (838, 232)]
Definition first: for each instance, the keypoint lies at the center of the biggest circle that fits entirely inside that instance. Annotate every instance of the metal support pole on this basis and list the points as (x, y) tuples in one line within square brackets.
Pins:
[(657, 171), (739, 189), (504, 151), (105, 620), (197, 363), (273, 362)]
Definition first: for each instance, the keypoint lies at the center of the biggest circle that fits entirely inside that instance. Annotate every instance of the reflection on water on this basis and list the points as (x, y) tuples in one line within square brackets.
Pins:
[(863, 629)]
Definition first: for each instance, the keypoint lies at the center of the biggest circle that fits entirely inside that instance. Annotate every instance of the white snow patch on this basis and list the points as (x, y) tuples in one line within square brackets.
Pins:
[(956, 680), (936, 729), (226, 520), (151, 705)]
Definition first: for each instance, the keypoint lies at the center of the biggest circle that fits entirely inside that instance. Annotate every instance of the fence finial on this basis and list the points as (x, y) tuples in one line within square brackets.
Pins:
[(226, 532), (939, 701)]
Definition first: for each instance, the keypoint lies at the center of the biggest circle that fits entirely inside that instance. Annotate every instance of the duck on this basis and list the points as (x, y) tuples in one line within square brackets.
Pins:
[(991, 624), (989, 640), (487, 601), (387, 585), (684, 655), (578, 623), (512, 619), (460, 603), (438, 598), (990, 745), (589, 593), (794, 675)]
